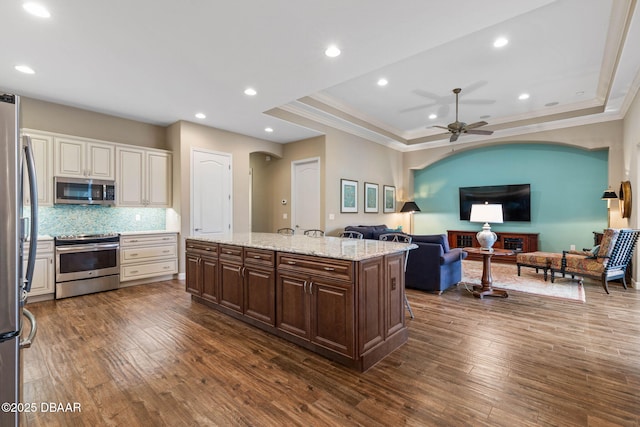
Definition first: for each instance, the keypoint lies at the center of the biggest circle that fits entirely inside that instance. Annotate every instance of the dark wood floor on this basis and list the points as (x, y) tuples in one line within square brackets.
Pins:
[(148, 356)]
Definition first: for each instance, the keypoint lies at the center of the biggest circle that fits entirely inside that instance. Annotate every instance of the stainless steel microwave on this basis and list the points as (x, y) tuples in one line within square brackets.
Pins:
[(81, 191)]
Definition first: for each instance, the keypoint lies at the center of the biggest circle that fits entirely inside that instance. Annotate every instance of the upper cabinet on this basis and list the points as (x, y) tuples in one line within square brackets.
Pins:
[(143, 177), (84, 159), (42, 146)]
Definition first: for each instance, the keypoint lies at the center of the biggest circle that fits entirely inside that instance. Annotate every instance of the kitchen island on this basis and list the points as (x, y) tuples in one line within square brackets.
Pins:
[(341, 298)]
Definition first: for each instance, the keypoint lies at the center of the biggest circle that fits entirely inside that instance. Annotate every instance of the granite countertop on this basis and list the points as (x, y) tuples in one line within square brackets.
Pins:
[(133, 233), (329, 247)]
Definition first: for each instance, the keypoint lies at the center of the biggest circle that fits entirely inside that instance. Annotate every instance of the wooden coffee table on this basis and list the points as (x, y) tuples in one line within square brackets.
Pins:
[(485, 288)]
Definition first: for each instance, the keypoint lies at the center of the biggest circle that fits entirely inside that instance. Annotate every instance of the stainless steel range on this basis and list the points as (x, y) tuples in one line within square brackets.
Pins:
[(87, 263)]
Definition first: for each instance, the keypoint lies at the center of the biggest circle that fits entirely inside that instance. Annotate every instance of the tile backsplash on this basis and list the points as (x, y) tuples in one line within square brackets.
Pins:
[(77, 219)]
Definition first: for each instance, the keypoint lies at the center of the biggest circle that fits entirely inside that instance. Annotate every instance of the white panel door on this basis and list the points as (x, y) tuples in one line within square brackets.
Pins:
[(210, 193), (305, 195)]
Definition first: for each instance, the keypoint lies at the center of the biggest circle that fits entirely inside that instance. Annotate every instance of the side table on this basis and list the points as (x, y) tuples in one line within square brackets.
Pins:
[(485, 288)]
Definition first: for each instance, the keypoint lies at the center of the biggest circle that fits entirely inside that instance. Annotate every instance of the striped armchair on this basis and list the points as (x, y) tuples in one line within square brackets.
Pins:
[(610, 262)]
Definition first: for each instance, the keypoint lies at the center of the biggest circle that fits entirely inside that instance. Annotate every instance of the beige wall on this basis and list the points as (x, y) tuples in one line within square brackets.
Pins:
[(351, 157), (50, 117)]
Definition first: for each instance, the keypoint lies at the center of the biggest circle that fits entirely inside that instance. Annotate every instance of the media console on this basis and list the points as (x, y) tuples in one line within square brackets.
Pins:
[(517, 242)]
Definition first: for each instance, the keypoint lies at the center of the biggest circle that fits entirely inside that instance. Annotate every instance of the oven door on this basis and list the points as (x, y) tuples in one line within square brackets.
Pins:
[(74, 262)]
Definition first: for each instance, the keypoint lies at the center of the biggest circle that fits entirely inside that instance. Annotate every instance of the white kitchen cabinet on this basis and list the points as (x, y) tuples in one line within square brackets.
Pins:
[(80, 158), (143, 177), (42, 145), (43, 282), (144, 256)]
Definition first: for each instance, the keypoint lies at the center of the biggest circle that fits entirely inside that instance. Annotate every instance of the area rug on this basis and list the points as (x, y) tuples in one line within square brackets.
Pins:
[(505, 276)]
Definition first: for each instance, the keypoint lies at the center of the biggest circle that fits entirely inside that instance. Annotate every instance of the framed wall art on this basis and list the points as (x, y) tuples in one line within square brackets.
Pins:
[(348, 196), (370, 197), (388, 199)]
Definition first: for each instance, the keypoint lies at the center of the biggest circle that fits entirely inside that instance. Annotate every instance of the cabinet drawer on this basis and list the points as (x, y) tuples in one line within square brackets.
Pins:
[(44, 246), (231, 252), (328, 267), (140, 271), (197, 247), (259, 257), (129, 255), (148, 239)]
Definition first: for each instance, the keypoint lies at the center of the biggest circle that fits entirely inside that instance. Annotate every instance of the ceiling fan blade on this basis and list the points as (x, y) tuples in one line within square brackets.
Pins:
[(443, 111), (428, 94), (479, 132), (454, 137), (476, 125), (474, 86), (416, 108), (441, 127)]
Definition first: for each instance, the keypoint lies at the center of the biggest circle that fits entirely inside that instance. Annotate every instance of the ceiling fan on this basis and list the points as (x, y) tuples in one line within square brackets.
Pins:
[(456, 128)]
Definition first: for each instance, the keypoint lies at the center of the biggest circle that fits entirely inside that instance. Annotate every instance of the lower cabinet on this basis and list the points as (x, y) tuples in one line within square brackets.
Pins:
[(202, 269), (43, 282), (317, 309), (239, 279), (145, 256), (349, 311)]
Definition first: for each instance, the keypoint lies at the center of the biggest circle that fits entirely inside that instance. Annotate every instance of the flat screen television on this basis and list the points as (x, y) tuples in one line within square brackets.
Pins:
[(515, 200)]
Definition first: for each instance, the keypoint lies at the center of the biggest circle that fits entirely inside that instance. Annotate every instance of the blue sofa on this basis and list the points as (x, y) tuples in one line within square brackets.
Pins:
[(432, 267)]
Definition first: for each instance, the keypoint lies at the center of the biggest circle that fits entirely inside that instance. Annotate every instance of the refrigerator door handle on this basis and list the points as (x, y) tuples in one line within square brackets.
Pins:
[(26, 343), (33, 194)]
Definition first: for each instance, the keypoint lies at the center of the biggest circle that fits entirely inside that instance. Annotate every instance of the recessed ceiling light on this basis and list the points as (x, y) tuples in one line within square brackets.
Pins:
[(332, 51), (523, 96), (433, 116), (500, 42), (268, 130), (383, 82), (201, 116), (25, 69), (36, 10), (250, 91)]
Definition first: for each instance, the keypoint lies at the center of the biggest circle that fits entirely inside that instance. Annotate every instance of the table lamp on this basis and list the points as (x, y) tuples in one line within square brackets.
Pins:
[(486, 213)]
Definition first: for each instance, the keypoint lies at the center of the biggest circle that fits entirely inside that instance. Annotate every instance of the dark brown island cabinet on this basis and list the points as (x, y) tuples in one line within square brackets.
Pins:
[(348, 310)]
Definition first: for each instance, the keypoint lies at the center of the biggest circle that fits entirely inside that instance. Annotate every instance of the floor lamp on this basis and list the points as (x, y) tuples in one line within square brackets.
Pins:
[(608, 195), (410, 207)]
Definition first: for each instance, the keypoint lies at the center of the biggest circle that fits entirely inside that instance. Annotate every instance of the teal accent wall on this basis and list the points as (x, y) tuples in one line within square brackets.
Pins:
[(76, 219), (566, 189)]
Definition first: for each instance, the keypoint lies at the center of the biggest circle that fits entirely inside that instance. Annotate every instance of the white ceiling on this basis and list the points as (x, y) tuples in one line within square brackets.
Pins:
[(161, 61)]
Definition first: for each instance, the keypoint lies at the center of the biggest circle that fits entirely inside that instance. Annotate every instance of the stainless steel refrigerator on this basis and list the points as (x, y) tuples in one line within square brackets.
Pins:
[(17, 174)]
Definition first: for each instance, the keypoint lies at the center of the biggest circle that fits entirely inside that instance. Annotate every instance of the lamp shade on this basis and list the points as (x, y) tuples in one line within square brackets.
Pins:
[(609, 194), (486, 213), (410, 207)]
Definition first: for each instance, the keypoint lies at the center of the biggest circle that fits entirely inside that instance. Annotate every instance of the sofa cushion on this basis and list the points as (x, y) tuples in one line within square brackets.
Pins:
[(441, 239)]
